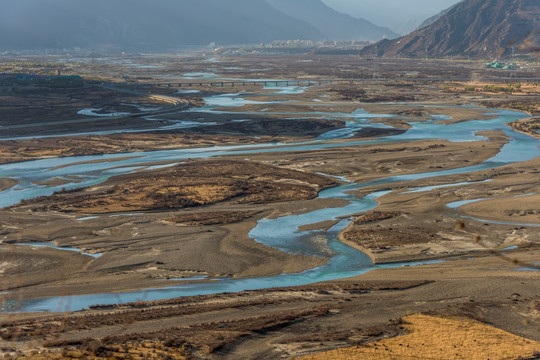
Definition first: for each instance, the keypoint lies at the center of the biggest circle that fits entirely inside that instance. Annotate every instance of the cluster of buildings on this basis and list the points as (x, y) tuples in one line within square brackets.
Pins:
[(309, 44)]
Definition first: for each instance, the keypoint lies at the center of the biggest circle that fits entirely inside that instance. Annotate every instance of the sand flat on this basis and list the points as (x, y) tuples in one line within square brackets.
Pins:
[(513, 209), (7, 183)]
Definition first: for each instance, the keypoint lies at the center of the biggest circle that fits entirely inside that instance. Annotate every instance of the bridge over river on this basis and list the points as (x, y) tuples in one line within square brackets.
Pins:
[(320, 82)]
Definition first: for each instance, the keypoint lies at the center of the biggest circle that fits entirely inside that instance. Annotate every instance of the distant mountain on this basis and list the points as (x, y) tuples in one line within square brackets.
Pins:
[(334, 25), (475, 28), (401, 16), (152, 24)]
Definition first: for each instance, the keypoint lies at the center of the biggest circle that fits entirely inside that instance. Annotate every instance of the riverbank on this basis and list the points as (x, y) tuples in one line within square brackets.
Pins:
[(530, 127), (52, 147), (188, 185), (311, 318), (109, 227), (147, 250), (428, 226), (7, 183), (140, 247)]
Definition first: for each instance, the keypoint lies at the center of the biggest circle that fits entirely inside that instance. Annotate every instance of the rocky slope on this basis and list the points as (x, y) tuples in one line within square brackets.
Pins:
[(472, 28)]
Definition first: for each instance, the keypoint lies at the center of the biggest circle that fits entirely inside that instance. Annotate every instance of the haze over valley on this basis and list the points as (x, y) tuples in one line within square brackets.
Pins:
[(164, 24), (402, 17)]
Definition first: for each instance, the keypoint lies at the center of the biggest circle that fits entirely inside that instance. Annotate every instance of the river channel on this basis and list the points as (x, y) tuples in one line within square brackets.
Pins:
[(281, 233)]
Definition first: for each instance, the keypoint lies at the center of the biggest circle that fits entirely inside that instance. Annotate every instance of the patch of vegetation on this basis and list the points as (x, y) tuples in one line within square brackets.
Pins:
[(522, 107), (212, 218), (382, 238), (530, 106), (189, 185), (510, 88), (375, 216), (357, 94)]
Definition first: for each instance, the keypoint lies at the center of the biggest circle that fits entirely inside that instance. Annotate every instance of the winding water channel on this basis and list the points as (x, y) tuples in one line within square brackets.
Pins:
[(281, 233)]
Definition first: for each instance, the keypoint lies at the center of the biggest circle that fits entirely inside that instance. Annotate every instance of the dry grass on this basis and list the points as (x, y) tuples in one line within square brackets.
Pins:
[(440, 338), (191, 184), (377, 238), (211, 217), (375, 216), (39, 148), (95, 350), (528, 126)]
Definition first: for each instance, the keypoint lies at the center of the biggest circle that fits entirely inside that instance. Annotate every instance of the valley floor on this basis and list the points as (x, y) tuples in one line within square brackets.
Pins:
[(152, 220)]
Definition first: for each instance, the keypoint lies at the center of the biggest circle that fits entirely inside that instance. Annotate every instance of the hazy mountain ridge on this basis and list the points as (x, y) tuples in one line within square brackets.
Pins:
[(475, 28), (156, 23), (160, 24), (331, 23)]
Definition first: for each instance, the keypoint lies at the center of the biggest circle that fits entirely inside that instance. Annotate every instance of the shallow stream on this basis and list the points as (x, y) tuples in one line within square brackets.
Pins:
[(281, 233)]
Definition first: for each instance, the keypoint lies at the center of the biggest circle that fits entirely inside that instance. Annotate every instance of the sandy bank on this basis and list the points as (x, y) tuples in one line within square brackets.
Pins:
[(312, 318), (426, 228), (529, 127), (141, 250), (7, 183)]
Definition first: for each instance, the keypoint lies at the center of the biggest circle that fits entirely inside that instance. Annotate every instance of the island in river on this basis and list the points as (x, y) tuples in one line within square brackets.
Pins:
[(258, 189)]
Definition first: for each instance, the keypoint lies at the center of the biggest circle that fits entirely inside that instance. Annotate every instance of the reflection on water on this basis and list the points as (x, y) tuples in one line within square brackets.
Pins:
[(199, 75), (188, 91)]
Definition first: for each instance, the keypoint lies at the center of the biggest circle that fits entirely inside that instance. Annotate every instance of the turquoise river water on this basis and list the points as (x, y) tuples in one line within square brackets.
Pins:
[(281, 233)]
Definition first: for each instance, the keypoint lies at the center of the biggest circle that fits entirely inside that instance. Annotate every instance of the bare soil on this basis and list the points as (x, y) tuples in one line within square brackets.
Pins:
[(7, 183)]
